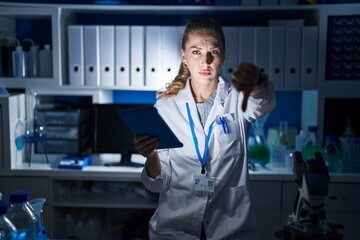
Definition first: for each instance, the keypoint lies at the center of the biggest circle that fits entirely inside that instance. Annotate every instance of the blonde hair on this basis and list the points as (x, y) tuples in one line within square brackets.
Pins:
[(204, 25)]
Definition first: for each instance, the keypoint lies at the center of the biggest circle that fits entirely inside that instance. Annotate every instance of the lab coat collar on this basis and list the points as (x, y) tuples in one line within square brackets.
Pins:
[(185, 96)]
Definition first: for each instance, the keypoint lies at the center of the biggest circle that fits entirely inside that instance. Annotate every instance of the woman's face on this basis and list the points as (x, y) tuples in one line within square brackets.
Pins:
[(203, 56)]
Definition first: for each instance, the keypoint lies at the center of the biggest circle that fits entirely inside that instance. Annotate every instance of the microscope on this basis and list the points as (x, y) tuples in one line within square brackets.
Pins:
[(307, 219)]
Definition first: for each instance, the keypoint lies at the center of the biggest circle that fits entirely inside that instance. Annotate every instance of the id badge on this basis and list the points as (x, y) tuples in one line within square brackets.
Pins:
[(203, 185)]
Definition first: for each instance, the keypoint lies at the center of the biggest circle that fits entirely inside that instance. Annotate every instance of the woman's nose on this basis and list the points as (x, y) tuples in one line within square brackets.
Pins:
[(208, 58)]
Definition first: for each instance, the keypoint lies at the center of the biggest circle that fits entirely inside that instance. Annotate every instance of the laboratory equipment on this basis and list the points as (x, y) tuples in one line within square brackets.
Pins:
[(19, 61), (312, 143), (46, 61), (32, 59), (7, 228), (258, 149), (35, 132), (332, 155), (22, 216), (279, 151), (37, 205), (307, 221)]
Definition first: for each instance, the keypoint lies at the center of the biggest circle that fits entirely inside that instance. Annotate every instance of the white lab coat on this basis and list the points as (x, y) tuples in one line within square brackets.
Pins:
[(227, 214)]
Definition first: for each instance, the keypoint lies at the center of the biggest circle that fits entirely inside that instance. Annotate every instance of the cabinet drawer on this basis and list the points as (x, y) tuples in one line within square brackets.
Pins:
[(343, 197), (289, 194), (63, 117), (266, 194), (63, 146), (67, 132)]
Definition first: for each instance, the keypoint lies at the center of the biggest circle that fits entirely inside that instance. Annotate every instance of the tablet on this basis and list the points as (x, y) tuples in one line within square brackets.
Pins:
[(147, 121)]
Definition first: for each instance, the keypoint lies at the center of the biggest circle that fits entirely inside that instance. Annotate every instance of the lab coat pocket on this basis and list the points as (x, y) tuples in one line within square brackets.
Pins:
[(171, 205), (171, 202), (226, 129), (237, 206)]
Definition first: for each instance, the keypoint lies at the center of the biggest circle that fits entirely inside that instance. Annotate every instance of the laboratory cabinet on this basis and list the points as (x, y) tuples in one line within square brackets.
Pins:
[(93, 45), (290, 43), (78, 201)]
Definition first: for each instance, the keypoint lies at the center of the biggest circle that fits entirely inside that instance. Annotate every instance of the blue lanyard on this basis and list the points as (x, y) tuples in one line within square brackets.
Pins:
[(202, 159)]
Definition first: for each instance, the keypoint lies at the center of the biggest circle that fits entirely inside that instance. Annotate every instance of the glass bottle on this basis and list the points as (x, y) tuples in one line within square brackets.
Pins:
[(7, 228), (22, 216), (279, 151), (258, 149), (312, 143), (332, 155)]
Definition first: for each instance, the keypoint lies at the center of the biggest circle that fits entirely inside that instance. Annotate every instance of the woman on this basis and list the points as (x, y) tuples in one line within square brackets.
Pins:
[(204, 186)]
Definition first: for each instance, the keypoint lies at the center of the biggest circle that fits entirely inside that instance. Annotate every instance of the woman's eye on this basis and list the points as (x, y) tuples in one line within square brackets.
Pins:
[(215, 52), (196, 52)]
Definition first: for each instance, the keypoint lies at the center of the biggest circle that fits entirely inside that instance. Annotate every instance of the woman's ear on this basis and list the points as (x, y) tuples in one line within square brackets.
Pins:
[(182, 55)]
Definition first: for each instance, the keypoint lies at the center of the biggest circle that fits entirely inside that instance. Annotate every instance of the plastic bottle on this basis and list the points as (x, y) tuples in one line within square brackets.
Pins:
[(299, 140), (332, 155), (46, 64), (19, 61), (22, 216), (33, 59), (7, 228), (312, 143), (345, 145)]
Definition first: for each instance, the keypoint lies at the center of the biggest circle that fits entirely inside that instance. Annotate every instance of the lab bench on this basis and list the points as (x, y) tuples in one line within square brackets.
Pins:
[(112, 192)]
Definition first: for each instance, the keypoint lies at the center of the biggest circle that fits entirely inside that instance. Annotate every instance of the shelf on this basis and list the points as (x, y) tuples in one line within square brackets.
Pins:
[(106, 200)]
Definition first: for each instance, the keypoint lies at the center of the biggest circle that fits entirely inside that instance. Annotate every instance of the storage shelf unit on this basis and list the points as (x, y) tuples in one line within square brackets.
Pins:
[(277, 206)]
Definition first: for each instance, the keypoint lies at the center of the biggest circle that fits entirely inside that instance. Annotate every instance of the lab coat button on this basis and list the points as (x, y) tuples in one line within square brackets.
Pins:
[(207, 221)]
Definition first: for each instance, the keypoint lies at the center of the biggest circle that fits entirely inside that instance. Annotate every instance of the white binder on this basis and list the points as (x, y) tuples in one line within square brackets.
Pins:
[(277, 56), (91, 55), (247, 44), (137, 52), (292, 56), (170, 52), (76, 55), (122, 56), (152, 57), (309, 56), (107, 55), (231, 51), (262, 48)]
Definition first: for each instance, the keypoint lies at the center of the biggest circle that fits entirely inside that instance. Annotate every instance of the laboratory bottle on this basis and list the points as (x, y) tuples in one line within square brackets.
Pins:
[(332, 154), (33, 59), (37, 205), (22, 216), (299, 140), (258, 149), (279, 151), (46, 65), (19, 61), (312, 143), (7, 228)]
